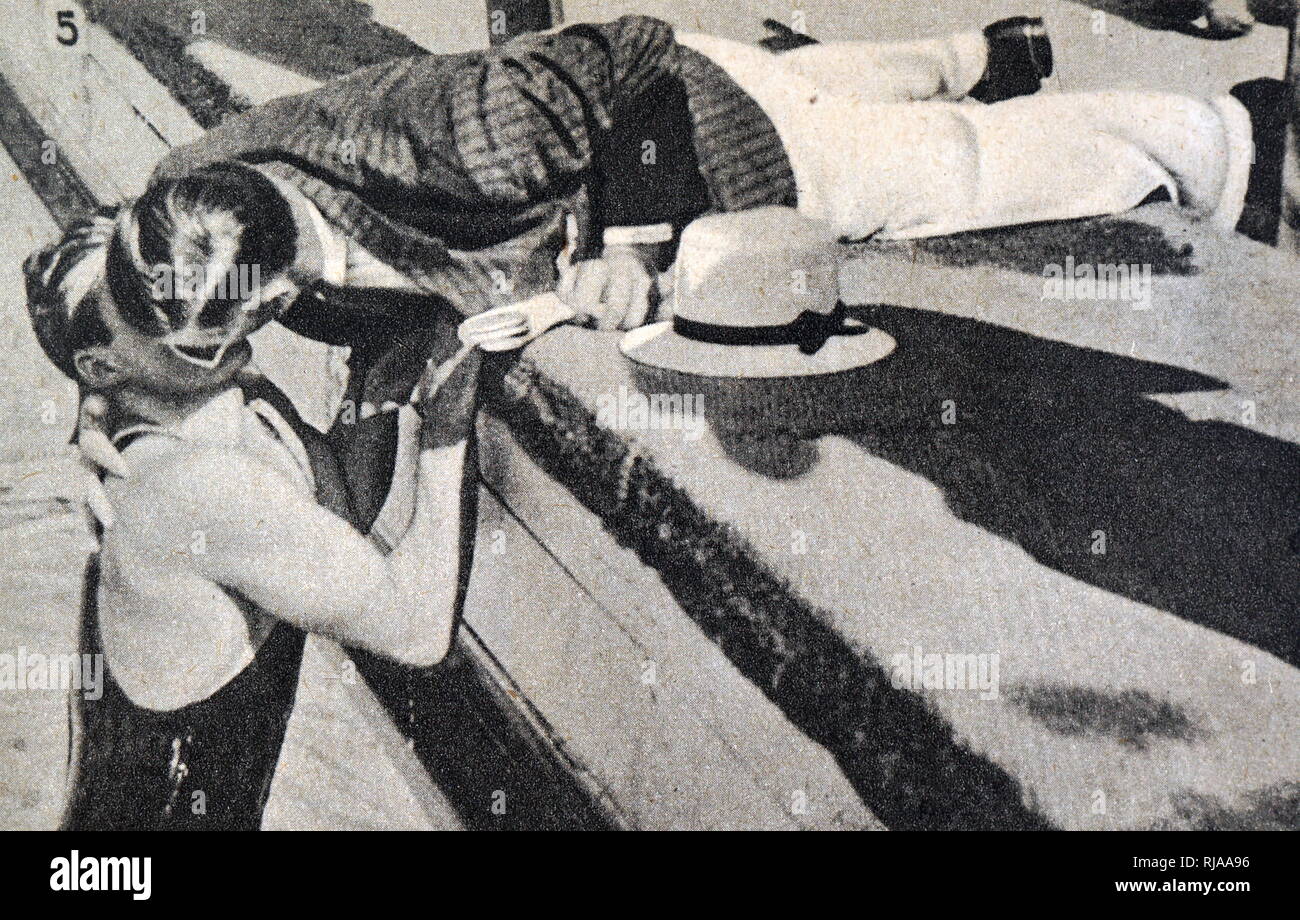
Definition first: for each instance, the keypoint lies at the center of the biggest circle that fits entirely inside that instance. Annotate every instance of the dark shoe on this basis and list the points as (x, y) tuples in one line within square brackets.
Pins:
[(1020, 59), (784, 38), (1267, 100)]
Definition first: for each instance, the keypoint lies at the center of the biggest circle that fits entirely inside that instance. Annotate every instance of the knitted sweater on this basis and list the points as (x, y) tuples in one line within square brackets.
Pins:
[(458, 170)]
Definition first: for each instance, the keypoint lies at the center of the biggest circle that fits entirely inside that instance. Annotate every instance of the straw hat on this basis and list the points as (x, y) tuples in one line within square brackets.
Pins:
[(756, 294)]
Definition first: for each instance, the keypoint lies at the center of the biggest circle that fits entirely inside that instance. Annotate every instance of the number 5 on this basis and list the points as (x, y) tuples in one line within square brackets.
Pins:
[(67, 21)]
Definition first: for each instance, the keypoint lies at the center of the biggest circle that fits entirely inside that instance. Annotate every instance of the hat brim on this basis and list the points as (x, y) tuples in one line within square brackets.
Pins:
[(657, 345)]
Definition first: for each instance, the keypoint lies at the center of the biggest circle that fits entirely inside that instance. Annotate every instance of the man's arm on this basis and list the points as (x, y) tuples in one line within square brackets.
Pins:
[(604, 102), (270, 542)]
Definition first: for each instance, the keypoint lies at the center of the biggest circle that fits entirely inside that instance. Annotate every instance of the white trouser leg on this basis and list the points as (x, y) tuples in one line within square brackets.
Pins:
[(1061, 156), (916, 169), (932, 68), (858, 166)]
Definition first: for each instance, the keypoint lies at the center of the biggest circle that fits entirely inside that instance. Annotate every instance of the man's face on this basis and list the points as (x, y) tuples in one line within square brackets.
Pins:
[(200, 357), (205, 340), (164, 366)]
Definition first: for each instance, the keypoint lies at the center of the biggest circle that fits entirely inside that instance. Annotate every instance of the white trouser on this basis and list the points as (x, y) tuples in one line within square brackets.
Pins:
[(881, 144)]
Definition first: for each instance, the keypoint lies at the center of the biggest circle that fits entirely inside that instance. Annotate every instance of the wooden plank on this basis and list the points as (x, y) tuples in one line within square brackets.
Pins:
[(1150, 681), (44, 537), (440, 26), (679, 737), (87, 92)]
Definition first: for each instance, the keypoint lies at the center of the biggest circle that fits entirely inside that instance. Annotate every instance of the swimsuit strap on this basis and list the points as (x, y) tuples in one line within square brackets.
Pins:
[(287, 437), (265, 412), (131, 433)]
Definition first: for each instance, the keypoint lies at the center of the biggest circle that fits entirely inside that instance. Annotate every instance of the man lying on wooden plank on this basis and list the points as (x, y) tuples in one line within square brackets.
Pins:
[(453, 177), (231, 538), (451, 172)]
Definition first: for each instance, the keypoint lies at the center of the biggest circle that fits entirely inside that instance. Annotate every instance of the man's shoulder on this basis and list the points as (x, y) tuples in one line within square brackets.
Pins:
[(630, 24), (634, 32), (176, 478), (179, 492), (260, 127), (271, 126)]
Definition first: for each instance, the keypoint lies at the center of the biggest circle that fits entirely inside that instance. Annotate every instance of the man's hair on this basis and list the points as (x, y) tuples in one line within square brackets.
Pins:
[(216, 220), (65, 290)]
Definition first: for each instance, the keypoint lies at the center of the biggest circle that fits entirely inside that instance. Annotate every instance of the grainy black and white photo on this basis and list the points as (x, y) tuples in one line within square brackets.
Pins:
[(649, 415)]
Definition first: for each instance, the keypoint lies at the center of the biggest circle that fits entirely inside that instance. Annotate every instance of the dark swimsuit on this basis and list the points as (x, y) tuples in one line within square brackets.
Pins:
[(205, 766)]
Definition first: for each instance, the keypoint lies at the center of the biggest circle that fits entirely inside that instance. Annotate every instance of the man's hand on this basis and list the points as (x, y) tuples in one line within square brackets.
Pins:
[(97, 452), (31, 491), (446, 398), (617, 291)]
